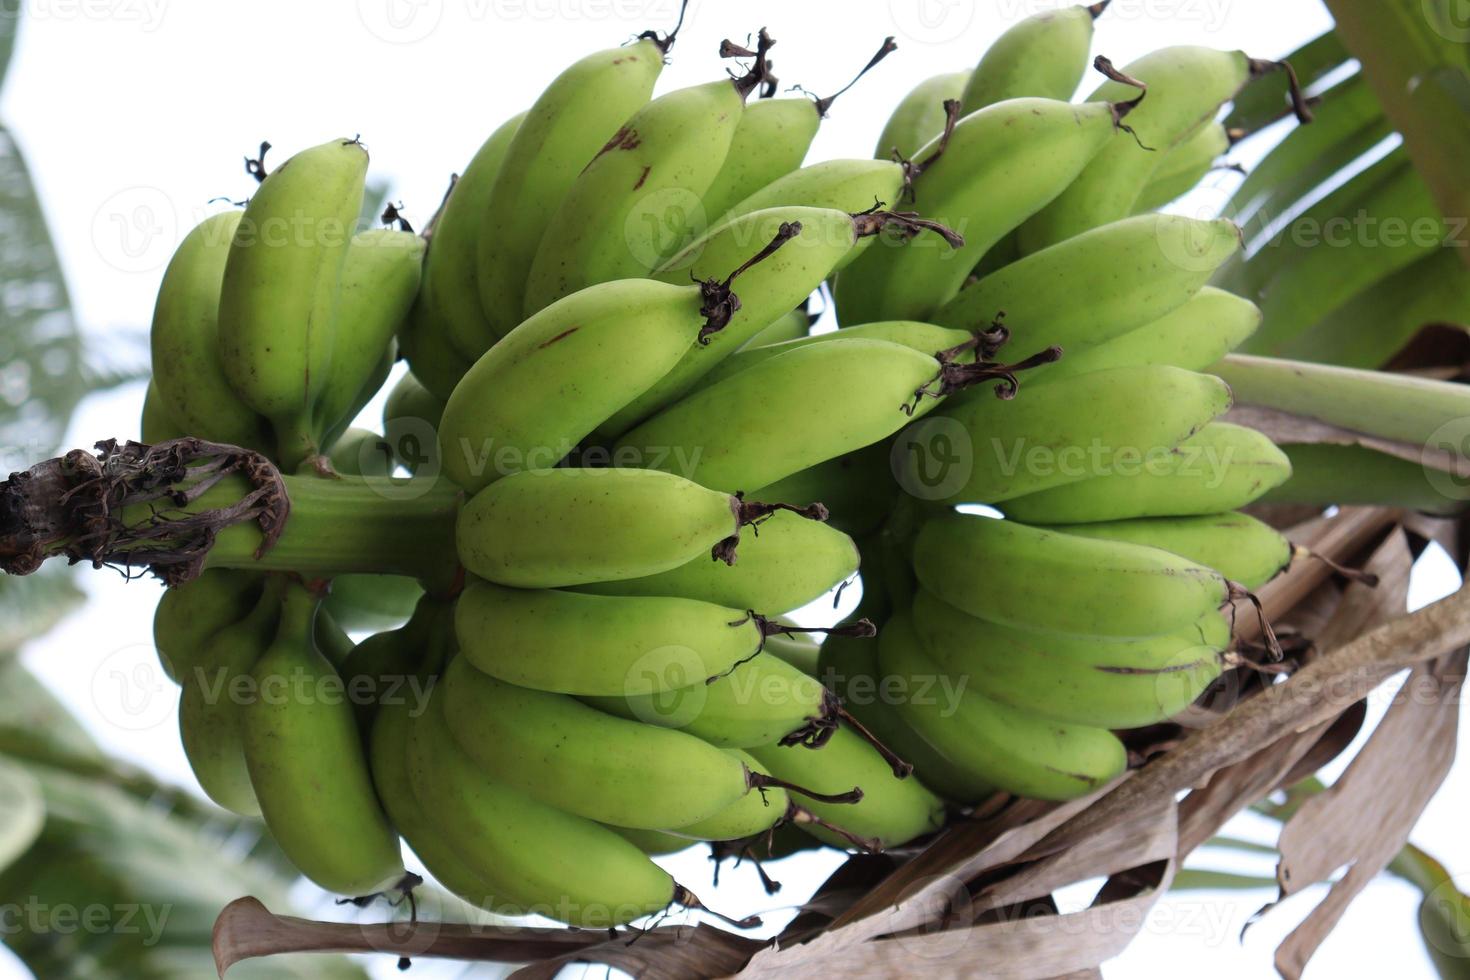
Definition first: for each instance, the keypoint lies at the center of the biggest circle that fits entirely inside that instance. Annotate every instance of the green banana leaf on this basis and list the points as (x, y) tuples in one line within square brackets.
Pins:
[(1265, 98), (9, 25)]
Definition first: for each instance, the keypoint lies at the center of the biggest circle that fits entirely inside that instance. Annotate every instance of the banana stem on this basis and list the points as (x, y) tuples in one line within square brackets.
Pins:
[(185, 505), (759, 781)]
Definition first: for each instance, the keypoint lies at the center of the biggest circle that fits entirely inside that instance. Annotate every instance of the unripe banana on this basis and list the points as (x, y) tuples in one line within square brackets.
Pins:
[(533, 857), (1236, 545), (543, 529), (849, 186), (1054, 435), (1222, 467), (797, 649), (388, 754), (794, 410), (211, 710), (1184, 165), (396, 666), (849, 666), (1000, 166), (424, 343), (1186, 86), (566, 754), (923, 337), (757, 702), (920, 116), (792, 561), (788, 327), (752, 814), (307, 765), (188, 616), (1112, 684), (278, 303), (823, 237), (770, 141), (1043, 56), (372, 602), (1099, 285), (156, 424), (561, 132), (1015, 750), (1024, 576), (573, 643), (379, 282), (411, 413), (654, 843), (451, 266), (531, 398), (892, 811), (627, 210), (857, 489), (188, 375), (1193, 337)]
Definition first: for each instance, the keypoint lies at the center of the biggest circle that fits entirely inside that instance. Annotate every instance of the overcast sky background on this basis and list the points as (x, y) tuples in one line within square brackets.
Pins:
[(133, 114)]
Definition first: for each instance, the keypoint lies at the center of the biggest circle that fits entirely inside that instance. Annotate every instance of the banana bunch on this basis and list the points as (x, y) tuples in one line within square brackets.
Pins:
[(659, 461)]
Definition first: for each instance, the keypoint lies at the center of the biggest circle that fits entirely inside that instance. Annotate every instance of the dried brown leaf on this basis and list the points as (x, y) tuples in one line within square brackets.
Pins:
[(1365, 817), (1288, 429)]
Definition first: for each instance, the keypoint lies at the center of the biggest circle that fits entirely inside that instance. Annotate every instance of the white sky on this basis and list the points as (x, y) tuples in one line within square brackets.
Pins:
[(134, 113)]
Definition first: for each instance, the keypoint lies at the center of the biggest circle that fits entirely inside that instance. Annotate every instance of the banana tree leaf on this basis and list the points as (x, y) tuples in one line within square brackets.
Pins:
[(1195, 879), (9, 27), (1444, 912), (22, 812), (32, 721), (1368, 330), (1265, 98), (1348, 124), (31, 605)]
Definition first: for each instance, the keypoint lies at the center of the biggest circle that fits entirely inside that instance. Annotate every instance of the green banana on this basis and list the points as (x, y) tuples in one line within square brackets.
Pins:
[(892, 812), (156, 425), (1025, 576), (757, 702), (188, 375), (787, 327), (792, 561), (188, 616), (409, 399), (1238, 546), (822, 239), (654, 843), (857, 489), (279, 299), (771, 140), (923, 337), (637, 201), (451, 265), (1057, 434), (424, 342), (572, 756), (849, 186), (563, 129), (531, 398), (307, 766), (798, 650), (533, 857), (864, 388), (1221, 467), (920, 116), (372, 602), (752, 814), (1000, 166), (380, 279), (555, 528), (1012, 749), (574, 643), (1098, 285), (1186, 87), (1193, 337), (395, 666), (388, 755), (1184, 165), (1078, 680), (1044, 56), (211, 712)]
